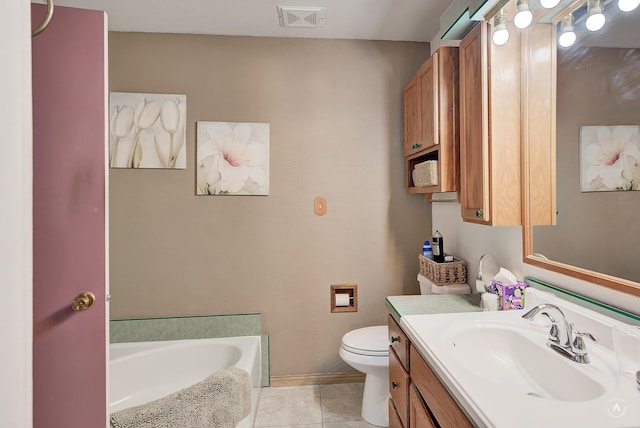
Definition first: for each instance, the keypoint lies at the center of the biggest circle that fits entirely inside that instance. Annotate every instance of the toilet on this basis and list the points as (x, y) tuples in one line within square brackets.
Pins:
[(367, 350)]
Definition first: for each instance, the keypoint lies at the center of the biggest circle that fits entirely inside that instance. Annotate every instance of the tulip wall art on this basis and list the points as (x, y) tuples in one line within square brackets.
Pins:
[(147, 130), (609, 158), (232, 158)]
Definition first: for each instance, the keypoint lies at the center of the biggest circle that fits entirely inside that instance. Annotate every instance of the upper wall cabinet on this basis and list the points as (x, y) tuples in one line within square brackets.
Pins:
[(431, 123), (490, 132)]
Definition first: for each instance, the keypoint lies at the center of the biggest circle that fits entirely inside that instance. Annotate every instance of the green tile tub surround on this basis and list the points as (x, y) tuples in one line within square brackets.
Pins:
[(175, 328), (266, 368), (194, 327), (585, 302)]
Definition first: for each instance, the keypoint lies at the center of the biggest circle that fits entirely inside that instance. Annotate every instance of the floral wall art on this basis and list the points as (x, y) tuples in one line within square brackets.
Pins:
[(232, 158), (147, 130), (609, 158)]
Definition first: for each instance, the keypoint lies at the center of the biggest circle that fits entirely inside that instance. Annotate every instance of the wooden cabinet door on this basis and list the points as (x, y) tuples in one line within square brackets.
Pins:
[(411, 115), (419, 416), (441, 404), (474, 144), (427, 81)]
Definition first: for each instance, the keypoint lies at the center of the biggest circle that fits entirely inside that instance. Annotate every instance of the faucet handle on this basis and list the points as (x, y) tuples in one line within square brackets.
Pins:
[(578, 342), (554, 332)]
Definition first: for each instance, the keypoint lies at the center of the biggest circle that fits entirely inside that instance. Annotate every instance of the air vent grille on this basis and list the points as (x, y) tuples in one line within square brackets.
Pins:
[(296, 16)]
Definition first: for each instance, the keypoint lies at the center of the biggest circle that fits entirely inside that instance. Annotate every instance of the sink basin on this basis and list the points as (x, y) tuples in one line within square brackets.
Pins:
[(505, 356), (499, 369)]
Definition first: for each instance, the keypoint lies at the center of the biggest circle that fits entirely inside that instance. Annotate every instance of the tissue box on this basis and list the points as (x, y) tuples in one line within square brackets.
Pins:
[(510, 296)]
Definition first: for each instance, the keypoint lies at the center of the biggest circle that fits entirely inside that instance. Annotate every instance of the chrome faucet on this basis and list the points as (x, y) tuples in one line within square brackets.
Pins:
[(563, 338)]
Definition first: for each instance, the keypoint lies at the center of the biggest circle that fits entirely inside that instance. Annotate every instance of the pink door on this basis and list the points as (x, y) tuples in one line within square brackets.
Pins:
[(69, 348)]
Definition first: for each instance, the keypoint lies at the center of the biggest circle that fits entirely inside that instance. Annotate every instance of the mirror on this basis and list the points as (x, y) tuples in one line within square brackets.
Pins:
[(597, 146)]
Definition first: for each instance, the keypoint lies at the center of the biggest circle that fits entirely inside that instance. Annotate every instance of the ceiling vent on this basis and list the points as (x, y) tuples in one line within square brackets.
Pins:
[(298, 16)]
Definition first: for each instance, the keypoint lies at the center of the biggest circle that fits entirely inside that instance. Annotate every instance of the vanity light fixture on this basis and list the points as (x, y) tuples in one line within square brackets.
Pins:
[(595, 17), (523, 16), (567, 35), (549, 4), (500, 32), (628, 5)]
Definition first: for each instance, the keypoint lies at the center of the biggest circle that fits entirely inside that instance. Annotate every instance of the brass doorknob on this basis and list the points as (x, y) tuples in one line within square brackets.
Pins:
[(83, 301)]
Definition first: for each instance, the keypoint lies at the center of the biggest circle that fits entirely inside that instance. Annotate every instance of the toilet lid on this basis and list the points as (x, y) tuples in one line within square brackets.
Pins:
[(372, 341)]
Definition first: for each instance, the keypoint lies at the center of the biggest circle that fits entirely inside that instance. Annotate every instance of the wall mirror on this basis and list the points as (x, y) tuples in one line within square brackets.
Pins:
[(596, 235)]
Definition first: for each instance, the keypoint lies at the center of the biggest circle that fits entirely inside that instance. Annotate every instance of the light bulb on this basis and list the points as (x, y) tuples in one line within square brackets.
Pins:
[(567, 35), (501, 35), (595, 17), (523, 16), (548, 4), (628, 5), (500, 32)]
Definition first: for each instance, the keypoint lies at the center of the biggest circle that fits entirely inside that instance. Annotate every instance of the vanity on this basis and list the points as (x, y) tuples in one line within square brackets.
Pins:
[(466, 368), (412, 382)]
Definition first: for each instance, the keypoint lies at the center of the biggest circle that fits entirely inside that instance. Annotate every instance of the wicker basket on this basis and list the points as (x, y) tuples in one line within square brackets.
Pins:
[(425, 173), (454, 272)]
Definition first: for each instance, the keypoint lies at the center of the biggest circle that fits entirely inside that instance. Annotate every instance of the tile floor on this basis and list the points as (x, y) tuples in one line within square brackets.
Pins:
[(311, 406)]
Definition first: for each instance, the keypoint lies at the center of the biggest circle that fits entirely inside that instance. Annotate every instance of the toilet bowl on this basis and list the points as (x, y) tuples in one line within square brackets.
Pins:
[(367, 350)]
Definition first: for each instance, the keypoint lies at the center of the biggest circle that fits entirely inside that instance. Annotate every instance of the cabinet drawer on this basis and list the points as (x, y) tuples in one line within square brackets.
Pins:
[(399, 387), (399, 342), (440, 402), (419, 416), (394, 418)]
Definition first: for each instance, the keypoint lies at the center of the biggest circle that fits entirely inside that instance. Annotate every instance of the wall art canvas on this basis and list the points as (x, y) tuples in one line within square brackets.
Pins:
[(609, 158), (232, 158), (147, 130)]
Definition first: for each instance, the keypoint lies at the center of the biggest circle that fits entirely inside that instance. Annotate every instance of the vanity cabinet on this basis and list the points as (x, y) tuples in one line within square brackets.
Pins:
[(431, 122), (417, 397), (490, 131)]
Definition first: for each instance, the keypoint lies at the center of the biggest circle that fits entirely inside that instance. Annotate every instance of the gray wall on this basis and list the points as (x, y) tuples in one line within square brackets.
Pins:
[(335, 109)]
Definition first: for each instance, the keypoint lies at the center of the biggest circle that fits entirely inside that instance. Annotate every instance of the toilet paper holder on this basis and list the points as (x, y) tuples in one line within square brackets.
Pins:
[(344, 298)]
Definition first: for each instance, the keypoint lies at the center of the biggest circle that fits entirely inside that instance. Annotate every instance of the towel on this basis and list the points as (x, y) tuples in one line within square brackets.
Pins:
[(220, 401)]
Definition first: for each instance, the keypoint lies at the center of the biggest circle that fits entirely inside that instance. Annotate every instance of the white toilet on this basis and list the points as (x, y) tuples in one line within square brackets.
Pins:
[(367, 350)]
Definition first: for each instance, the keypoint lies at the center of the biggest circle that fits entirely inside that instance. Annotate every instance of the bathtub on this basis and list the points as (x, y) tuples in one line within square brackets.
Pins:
[(140, 372)]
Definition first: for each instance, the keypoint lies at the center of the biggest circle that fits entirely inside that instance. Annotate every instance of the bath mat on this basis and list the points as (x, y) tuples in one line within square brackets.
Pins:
[(220, 401)]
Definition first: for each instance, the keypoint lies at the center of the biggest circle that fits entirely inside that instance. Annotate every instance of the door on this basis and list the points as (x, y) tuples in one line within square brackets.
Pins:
[(69, 96)]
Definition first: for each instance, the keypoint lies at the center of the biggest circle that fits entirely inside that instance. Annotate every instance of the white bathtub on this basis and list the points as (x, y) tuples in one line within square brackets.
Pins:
[(140, 372)]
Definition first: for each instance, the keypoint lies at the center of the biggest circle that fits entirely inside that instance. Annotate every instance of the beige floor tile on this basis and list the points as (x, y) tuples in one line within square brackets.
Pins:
[(300, 426), (341, 402), (289, 406), (349, 424)]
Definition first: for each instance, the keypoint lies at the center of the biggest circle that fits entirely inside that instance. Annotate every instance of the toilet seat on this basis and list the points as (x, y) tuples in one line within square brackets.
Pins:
[(369, 341)]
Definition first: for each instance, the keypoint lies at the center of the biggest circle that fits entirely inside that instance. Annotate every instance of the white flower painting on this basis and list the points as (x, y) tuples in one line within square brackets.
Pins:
[(232, 158), (610, 158), (147, 130)]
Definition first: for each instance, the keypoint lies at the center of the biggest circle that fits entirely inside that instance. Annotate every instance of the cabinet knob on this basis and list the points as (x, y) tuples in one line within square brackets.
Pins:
[(478, 213), (395, 339), (394, 385)]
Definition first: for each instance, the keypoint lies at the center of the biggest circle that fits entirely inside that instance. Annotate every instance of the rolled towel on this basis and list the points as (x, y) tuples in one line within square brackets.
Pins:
[(219, 401)]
